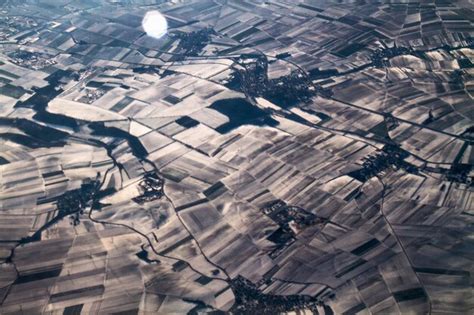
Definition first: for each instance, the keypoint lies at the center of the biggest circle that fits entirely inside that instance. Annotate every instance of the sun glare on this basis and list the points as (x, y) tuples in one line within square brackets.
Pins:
[(154, 24)]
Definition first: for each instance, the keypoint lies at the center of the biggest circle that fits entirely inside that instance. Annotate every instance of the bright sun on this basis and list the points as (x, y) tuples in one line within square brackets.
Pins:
[(154, 24)]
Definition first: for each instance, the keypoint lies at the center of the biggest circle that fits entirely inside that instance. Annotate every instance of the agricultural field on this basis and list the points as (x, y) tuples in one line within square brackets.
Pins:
[(260, 157)]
